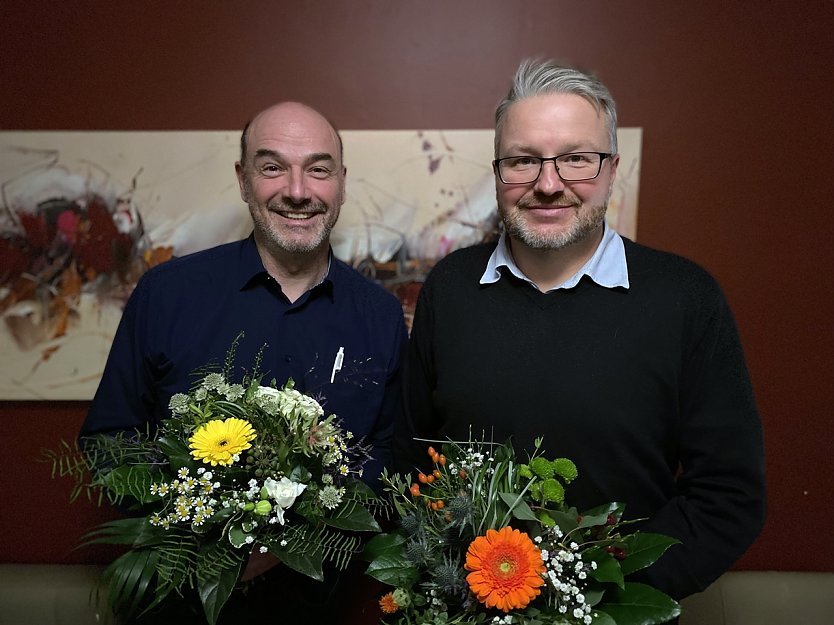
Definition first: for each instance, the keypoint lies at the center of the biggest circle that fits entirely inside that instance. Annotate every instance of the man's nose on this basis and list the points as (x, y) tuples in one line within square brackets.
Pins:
[(549, 181), (297, 189)]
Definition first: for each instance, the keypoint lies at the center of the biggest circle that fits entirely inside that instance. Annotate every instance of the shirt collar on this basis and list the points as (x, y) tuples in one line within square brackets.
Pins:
[(251, 269), (607, 267)]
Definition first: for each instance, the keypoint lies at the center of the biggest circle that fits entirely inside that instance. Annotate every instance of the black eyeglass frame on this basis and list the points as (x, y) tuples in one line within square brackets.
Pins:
[(602, 156)]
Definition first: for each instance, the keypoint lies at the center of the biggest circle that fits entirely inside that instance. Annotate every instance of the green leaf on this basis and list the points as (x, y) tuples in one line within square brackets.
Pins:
[(602, 618), (518, 507), (394, 570), (353, 516), (360, 490), (592, 520), (639, 604), (301, 474), (643, 549), (565, 520), (177, 452), (119, 532), (308, 563), (608, 567), (237, 536), (134, 480), (614, 508), (215, 589), (127, 578), (383, 544)]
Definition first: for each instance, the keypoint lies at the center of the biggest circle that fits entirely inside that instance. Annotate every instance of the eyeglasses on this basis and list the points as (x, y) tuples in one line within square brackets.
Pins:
[(571, 167)]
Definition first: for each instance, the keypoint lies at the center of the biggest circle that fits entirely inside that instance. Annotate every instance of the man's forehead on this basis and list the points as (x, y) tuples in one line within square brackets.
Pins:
[(294, 124)]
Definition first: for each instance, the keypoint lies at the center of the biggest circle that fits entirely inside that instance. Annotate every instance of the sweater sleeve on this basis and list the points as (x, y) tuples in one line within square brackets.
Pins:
[(719, 507), (418, 386)]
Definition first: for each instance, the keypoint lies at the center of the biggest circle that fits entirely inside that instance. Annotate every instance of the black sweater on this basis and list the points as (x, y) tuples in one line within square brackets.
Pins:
[(646, 389)]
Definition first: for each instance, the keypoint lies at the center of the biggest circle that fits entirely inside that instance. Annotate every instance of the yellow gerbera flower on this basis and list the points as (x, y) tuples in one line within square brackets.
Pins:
[(506, 567), (217, 442)]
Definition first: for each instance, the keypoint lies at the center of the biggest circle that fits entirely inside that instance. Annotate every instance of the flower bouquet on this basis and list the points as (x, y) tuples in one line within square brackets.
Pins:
[(237, 467), (487, 539)]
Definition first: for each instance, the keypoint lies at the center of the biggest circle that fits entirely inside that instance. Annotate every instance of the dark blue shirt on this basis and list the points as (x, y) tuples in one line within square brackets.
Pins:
[(185, 314)]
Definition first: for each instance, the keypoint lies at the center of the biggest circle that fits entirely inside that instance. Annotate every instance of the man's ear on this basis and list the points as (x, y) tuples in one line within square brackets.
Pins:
[(241, 181)]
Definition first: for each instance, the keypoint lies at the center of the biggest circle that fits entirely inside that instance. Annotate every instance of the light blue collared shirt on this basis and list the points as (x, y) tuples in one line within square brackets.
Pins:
[(607, 267)]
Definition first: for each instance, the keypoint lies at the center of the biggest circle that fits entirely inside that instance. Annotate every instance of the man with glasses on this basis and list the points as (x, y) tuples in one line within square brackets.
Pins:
[(623, 358)]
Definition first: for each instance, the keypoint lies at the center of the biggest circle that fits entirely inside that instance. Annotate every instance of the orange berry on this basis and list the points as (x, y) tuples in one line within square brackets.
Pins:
[(415, 490), (436, 473), (441, 504), (442, 460), (462, 474), (422, 477), (434, 505), (435, 458), (430, 478), (432, 451)]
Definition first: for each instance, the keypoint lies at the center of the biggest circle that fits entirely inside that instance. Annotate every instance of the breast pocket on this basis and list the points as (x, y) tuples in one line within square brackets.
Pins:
[(355, 394)]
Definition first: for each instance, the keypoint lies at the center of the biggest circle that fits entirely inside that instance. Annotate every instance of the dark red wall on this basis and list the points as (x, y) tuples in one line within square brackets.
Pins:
[(735, 102)]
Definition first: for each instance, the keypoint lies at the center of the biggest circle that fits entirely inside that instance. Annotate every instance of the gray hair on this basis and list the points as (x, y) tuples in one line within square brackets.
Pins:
[(540, 77)]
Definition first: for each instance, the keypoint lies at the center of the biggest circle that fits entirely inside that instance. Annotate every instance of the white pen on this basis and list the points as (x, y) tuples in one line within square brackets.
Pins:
[(337, 364)]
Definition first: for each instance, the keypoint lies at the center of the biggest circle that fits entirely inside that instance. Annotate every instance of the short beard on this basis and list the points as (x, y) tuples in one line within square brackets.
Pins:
[(275, 240), (588, 219)]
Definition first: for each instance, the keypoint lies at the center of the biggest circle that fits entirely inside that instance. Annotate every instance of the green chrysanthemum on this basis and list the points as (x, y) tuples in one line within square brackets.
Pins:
[(542, 467), (566, 469)]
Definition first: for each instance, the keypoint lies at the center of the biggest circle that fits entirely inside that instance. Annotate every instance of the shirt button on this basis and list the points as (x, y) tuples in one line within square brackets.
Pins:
[(287, 358)]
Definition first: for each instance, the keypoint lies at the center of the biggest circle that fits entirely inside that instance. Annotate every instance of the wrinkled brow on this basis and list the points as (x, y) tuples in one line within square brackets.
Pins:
[(316, 157)]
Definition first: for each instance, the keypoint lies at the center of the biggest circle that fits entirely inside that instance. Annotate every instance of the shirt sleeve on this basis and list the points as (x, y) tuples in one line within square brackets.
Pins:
[(125, 398), (720, 504)]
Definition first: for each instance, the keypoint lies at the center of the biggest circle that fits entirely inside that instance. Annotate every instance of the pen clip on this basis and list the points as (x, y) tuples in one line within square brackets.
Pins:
[(337, 363)]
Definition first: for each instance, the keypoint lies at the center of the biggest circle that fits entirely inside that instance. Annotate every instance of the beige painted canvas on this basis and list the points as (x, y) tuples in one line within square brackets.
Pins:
[(84, 214)]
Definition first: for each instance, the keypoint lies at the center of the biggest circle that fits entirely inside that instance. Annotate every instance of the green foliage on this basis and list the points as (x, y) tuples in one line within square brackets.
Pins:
[(638, 604), (481, 486), (199, 516)]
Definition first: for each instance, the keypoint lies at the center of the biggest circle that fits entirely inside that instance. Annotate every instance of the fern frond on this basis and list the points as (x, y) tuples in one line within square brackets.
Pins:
[(339, 548)]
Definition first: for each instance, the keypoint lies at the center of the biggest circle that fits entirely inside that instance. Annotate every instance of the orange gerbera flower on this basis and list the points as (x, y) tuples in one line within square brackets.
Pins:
[(387, 603), (506, 567)]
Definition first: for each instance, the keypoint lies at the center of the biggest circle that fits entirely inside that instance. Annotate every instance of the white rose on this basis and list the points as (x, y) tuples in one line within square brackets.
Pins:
[(284, 492), (267, 391)]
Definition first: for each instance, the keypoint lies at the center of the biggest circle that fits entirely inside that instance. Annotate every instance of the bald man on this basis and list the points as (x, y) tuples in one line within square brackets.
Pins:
[(282, 286)]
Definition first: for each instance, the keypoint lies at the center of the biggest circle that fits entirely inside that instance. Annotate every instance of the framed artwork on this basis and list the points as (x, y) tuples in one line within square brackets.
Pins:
[(84, 214)]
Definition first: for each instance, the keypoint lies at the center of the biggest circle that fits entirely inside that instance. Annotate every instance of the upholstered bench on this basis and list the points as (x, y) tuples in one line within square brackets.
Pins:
[(56, 594)]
